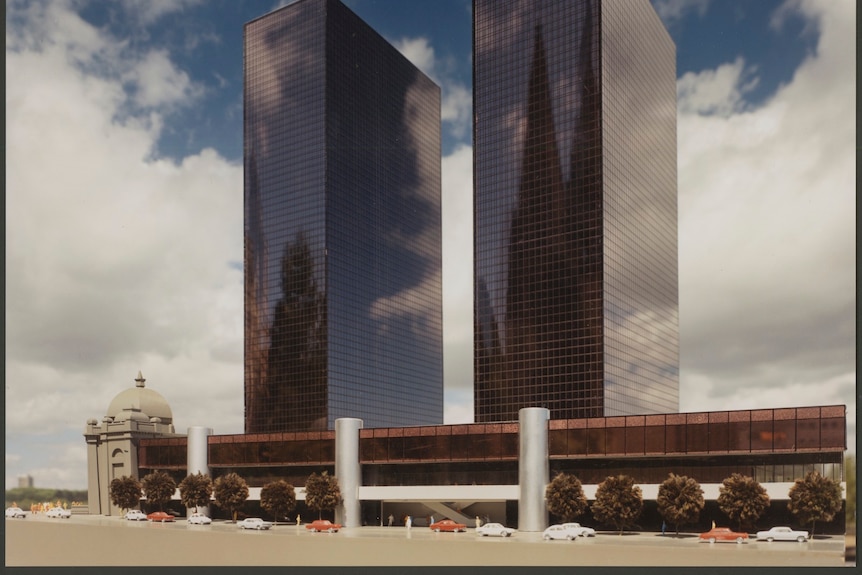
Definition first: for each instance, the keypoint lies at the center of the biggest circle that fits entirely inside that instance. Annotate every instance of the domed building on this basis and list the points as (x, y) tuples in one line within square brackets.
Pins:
[(112, 444)]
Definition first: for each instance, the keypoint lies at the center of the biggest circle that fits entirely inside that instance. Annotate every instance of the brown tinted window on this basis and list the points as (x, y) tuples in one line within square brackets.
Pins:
[(784, 434), (654, 439), (761, 435), (557, 444), (595, 441), (615, 438), (461, 446), (577, 441), (718, 440), (739, 435), (832, 432), (634, 439), (675, 440)]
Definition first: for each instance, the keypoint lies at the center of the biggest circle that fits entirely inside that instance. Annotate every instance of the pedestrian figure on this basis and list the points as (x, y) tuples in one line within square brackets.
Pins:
[(409, 522), (298, 519), (478, 522), (391, 520), (663, 528)]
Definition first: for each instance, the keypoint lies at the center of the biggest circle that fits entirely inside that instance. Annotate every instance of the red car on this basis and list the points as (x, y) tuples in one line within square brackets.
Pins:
[(160, 516), (723, 534), (448, 525), (323, 525)]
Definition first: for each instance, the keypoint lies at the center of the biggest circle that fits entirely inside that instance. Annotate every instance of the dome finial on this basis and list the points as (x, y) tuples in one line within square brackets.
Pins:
[(139, 381)]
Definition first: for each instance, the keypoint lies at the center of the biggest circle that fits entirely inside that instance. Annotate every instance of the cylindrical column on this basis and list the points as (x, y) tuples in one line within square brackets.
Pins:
[(196, 456), (347, 470), (533, 468)]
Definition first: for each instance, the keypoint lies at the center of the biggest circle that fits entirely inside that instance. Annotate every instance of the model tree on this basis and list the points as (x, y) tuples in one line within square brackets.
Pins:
[(814, 498), (619, 502), (278, 497), (230, 492), (565, 497), (742, 499), (680, 500), (322, 493), (196, 490), (125, 492), (159, 487)]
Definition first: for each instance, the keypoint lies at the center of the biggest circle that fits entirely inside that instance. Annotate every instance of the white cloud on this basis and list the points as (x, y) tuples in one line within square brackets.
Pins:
[(671, 11), (715, 92), (767, 230), (149, 11), (420, 53), (158, 82), (457, 202), (116, 260), (457, 99)]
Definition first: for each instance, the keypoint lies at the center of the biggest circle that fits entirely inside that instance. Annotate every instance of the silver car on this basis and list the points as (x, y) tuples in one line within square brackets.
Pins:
[(560, 532), (494, 530), (782, 534), (199, 519), (254, 523), (582, 531)]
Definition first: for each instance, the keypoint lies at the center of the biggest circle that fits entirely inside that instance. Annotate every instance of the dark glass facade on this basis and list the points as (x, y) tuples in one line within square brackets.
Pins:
[(576, 302), (771, 445), (343, 296)]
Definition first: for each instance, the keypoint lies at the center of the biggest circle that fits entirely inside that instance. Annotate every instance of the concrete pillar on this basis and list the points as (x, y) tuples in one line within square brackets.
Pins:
[(533, 468), (348, 471), (197, 460)]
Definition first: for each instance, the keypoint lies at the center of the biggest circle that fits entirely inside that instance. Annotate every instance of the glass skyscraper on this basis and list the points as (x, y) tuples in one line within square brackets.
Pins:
[(343, 298), (576, 301)]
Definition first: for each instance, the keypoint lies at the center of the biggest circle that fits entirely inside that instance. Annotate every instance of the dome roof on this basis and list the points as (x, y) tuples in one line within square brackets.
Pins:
[(140, 404)]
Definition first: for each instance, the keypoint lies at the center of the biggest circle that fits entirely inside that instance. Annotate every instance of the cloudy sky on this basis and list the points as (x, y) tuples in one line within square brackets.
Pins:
[(124, 207)]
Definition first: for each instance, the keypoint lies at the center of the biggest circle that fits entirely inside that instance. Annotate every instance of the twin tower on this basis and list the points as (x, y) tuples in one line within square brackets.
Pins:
[(575, 217)]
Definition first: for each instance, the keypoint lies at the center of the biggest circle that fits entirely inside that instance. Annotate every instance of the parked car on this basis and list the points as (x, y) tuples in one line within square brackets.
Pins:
[(582, 530), (160, 517), (254, 523), (135, 515), (560, 532), (323, 525), (494, 530), (782, 534), (723, 534), (447, 525), (199, 519), (59, 513), (15, 513)]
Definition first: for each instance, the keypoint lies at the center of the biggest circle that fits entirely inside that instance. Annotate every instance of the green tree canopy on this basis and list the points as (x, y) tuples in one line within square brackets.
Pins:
[(278, 497), (680, 500), (322, 493), (159, 487), (742, 499), (814, 498), (565, 497), (230, 492), (125, 492), (196, 490), (619, 502)]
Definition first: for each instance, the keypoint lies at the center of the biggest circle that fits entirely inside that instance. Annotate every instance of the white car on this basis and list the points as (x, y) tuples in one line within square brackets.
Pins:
[(782, 534), (136, 515), (582, 531), (494, 530), (199, 519), (560, 532), (15, 513), (254, 523), (59, 513)]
